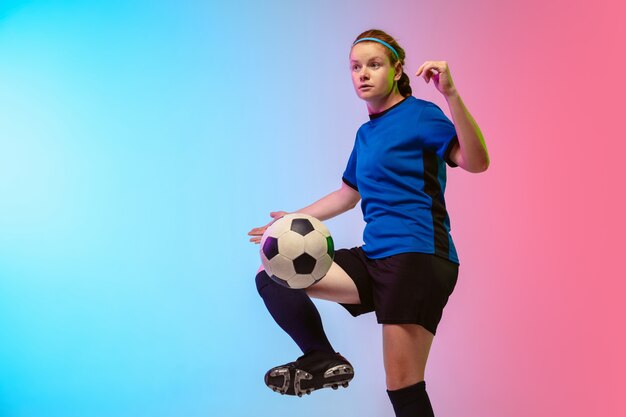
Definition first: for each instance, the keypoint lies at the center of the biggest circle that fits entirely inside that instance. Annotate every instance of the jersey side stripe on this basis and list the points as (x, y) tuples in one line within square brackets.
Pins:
[(438, 211)]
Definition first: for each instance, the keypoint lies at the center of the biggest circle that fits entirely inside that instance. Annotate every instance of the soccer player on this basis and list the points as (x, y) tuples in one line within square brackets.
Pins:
[(408, 265)]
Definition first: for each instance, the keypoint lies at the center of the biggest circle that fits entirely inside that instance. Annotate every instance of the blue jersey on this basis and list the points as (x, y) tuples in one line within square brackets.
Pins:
[(398, 165)]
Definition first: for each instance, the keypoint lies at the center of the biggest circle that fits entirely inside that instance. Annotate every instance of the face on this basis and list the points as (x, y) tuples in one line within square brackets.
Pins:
[(372, 73)]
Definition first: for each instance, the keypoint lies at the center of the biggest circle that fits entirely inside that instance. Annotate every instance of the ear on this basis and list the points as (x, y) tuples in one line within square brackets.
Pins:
[(398, 70)]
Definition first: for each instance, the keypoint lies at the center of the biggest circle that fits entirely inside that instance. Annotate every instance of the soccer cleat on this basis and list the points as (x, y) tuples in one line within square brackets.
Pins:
[(310, 372)]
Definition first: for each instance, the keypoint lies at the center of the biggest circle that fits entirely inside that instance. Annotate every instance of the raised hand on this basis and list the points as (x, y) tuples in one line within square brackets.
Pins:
[(439, 72)]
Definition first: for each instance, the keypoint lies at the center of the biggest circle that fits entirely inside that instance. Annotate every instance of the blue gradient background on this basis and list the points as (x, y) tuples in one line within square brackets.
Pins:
[(135, 143), (140, 141)]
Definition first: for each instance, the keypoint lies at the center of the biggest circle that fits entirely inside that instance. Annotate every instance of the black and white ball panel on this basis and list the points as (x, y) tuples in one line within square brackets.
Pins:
[(297, 250)]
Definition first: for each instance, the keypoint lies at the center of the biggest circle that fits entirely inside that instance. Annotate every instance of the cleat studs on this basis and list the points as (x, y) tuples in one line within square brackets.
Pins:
[(345, 385), (335, 386)]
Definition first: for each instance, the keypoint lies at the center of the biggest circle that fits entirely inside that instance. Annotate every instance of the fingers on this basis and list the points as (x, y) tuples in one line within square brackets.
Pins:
[(277, 214), (431, 68), (419, 70), (256, 235), (257, 232), (428, 72), (260, 230)]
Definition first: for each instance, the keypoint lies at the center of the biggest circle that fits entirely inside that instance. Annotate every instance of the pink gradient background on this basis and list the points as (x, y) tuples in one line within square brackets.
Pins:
[(536, 324)]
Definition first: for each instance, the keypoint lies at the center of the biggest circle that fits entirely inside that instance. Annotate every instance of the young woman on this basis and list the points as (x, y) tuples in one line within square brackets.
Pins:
[(408, 266)]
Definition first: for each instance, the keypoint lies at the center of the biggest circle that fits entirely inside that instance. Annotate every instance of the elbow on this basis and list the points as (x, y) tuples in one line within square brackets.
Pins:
[(485, 163), (354, 203), (478, 167)]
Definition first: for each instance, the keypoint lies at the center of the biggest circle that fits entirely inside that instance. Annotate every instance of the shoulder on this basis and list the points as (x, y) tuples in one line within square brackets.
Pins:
[(420, 103), (429, 107), (423, 109), (362, 130), (430, 111)]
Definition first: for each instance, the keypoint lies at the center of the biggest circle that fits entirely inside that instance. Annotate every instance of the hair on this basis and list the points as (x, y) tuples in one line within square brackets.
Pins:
[(404, 86)]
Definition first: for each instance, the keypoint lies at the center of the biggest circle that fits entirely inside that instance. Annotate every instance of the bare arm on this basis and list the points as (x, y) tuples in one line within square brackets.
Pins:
[(327, 207), (471, 152), (333, 204)]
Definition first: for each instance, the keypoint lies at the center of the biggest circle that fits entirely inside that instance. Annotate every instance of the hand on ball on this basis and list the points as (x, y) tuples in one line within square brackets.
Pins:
[(257, 232)]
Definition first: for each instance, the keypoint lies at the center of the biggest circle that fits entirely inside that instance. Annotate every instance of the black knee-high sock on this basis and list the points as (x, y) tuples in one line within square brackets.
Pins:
[(411, 401), (295, 313)]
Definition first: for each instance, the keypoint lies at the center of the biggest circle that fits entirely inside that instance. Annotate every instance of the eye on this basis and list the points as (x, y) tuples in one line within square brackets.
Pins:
[(355, 67), (375, 64)]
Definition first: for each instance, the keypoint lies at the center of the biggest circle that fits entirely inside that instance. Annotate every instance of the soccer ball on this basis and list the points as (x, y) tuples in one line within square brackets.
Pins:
[(297, 250)]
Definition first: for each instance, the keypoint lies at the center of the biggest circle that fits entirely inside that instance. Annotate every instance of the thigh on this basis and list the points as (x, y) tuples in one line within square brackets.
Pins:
[(348, 282), (336, 286)]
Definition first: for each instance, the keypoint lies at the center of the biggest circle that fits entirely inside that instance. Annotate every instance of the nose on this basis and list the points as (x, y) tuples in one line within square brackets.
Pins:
[(363, 75)]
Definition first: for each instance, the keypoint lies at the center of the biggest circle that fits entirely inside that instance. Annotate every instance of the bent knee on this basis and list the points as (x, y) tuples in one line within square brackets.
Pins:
[(262, 279)]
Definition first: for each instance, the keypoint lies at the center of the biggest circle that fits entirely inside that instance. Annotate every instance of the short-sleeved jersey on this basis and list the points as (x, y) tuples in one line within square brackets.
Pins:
[(398, 165)]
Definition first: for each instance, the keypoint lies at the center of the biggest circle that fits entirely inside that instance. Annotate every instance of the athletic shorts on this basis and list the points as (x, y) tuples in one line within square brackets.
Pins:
[(409, 287)]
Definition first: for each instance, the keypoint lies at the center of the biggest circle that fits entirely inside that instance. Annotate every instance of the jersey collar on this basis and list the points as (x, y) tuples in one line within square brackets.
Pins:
[(382, 113)]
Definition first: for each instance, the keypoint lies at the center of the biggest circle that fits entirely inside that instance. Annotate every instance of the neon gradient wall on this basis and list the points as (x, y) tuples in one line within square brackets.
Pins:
[(140, 141)]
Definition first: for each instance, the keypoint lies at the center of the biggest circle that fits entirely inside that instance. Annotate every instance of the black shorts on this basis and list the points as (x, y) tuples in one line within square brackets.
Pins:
[(409, 287)]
